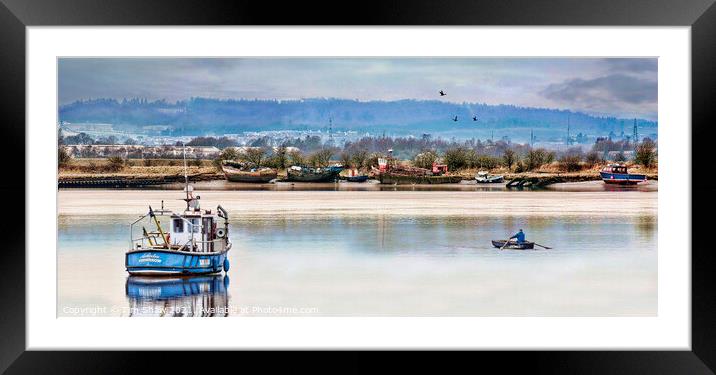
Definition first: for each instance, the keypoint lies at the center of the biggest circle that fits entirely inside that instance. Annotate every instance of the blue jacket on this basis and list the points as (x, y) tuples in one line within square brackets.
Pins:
[(520, 236)]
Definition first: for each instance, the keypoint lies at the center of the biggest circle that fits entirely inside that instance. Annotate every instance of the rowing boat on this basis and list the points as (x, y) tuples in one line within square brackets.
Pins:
[(514, 245)]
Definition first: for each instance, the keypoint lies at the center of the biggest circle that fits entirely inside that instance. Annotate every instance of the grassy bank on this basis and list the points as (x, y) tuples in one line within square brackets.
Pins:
[(90, 169)]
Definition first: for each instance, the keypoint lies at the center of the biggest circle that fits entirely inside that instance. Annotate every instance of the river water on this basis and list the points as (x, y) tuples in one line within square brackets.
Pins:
[(375, 253)]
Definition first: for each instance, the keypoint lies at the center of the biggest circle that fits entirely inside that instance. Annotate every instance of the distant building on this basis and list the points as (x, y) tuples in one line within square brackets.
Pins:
[(141, 151), (242, 149)]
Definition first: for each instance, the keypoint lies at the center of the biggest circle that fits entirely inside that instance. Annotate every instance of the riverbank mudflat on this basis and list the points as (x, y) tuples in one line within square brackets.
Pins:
[(139, 175), (416, 203)]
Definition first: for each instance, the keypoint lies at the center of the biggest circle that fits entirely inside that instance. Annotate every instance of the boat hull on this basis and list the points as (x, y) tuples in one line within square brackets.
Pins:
[(395, 179), (622, 178), (328, 176), (165, 262), (235, 175), (514, 245), (490, 180), (357, 178)]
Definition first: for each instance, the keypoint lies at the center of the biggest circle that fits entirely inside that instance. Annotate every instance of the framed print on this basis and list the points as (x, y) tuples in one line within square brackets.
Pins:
[(411, 177)]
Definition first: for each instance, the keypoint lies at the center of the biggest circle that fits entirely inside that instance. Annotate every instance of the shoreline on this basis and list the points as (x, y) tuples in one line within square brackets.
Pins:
[(347, 203), (124, 179)]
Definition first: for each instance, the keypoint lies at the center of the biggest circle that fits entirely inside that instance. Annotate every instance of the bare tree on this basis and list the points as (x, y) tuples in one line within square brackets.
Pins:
[(645, 153), (321, 158), (254, 155)]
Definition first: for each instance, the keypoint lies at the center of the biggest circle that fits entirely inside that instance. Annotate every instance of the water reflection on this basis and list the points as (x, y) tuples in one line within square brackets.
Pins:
[(204, 296)]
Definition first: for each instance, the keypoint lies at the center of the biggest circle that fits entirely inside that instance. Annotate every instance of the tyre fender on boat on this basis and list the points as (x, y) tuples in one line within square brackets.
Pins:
[(226, 265)]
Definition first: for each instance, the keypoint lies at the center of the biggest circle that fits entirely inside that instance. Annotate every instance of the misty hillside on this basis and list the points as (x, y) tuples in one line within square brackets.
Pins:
[(213, 116)]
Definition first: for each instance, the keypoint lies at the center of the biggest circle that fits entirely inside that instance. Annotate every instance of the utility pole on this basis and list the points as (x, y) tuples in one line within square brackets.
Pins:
[(532, 139), (330, 129), (636, 134), (569, 138)]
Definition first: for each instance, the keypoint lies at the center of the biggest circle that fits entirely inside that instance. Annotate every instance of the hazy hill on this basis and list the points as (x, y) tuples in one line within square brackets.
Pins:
[(212, 116)]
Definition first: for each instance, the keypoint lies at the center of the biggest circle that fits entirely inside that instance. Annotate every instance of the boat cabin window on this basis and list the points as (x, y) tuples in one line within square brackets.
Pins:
[(178, 226), (195, 225)]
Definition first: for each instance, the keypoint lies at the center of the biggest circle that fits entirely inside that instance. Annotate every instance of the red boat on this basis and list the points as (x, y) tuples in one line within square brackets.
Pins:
[(617, 174)]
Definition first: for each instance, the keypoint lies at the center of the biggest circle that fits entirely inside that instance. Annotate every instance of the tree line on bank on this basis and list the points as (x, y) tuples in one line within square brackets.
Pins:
[(421, 152), (457, 156)]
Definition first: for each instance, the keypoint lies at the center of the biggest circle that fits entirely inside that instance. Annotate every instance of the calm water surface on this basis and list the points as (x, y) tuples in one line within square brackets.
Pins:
[(376, 265)]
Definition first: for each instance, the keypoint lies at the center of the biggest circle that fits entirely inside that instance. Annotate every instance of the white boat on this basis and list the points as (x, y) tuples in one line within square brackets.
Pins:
[(484, 177)]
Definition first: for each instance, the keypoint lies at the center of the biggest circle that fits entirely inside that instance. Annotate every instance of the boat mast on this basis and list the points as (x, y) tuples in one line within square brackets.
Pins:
[(186, 179)]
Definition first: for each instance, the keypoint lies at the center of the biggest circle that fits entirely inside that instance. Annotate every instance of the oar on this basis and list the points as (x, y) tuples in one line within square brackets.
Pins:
[(546, 247), (505, 244)]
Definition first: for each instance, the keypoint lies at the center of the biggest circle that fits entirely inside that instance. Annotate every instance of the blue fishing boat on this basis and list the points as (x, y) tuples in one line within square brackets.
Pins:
[(195, 242), (617, 174)]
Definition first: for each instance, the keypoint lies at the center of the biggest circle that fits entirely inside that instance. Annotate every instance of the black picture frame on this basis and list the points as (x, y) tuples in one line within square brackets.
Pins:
[(700, 15)]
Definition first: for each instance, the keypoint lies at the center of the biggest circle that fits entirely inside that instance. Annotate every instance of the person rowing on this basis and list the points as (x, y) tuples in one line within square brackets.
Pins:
[(520, 236), (519, 243)]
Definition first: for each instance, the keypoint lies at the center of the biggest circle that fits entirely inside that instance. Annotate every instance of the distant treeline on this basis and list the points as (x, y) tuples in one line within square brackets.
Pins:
[(207, 116)]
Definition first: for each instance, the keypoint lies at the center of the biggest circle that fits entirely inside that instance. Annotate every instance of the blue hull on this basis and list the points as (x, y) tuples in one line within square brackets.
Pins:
[(165, 262), (622, 178)]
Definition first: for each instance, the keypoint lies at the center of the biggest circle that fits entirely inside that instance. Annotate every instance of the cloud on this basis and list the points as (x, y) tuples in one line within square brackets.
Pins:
[(612, 91), (534, 82), (632, 65)]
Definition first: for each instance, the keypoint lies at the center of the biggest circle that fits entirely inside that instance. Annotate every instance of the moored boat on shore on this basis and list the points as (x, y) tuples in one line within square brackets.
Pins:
[(484, 177), (312, 174), (235, 173), (362, 178), (404, 179), (617, 174)]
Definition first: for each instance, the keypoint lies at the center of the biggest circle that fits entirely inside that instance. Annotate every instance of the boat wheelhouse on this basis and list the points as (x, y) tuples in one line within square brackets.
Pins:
[(617, 174)]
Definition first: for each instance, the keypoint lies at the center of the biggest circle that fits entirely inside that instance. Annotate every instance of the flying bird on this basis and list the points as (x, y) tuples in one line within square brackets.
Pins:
[(442, 93), (454, 118)]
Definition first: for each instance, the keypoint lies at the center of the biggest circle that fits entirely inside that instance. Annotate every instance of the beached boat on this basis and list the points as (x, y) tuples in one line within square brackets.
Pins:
[(484, 177), (514, 245), (389, 178), (196, 242), (617, 174), (235, 173), (310, 174), (396, 174), (363, 178)]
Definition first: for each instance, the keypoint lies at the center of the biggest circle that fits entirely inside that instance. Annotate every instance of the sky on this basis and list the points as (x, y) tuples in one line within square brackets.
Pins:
[(622, 87)]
